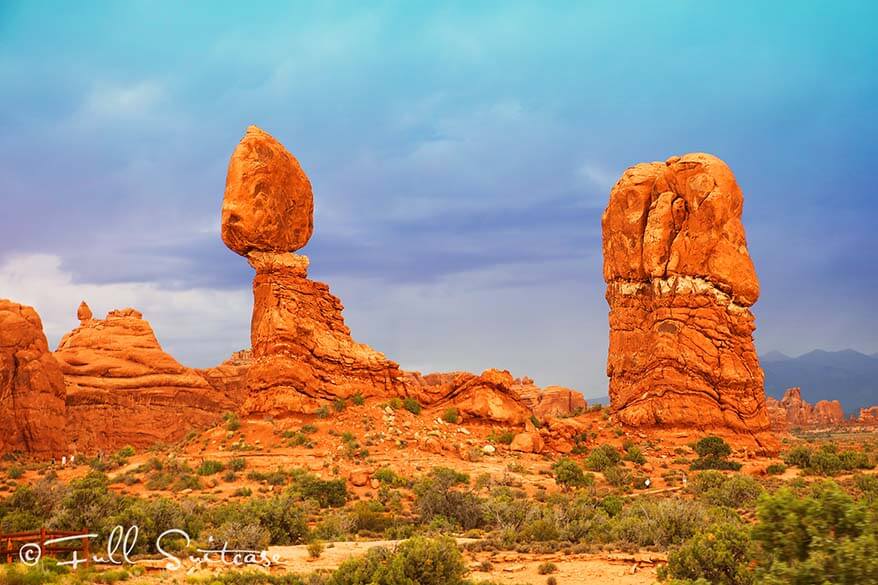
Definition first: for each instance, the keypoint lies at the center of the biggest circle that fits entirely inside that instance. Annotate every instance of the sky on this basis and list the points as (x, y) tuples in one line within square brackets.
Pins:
[(461, 154)]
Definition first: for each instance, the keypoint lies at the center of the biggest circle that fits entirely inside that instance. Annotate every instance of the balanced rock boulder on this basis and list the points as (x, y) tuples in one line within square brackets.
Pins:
[(680, 283), (268, 205), (32, 396), (123, 389)]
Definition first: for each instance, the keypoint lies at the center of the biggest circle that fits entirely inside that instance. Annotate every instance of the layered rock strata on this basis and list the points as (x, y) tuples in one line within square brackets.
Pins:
[(124, 389), (680, 283)]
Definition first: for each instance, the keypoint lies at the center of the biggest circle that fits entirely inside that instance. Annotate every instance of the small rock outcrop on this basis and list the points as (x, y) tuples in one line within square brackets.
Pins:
[(123, 389), (303, 353), (680, 284), (32, 405)]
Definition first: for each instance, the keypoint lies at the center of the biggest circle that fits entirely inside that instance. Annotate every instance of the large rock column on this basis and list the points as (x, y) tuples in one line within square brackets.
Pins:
[(303, 353), (680, 283)]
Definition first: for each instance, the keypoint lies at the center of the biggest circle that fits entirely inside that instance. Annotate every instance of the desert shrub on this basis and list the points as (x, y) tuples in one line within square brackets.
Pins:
[(15, 472), (210, 467), (418, 561), (775, 469), (243, 534), (358, 399), (411, 405), (568, 474), (823, 537), (547, 568), (232, 422), (799, 456), (368, 516), (733, 491), (308, 429), (125, 452), (238, 464), (661, 522), (439, 494), (389, 477), (322, 412), (339, 404), (713, 453), (315, 549), (186, 482), (720, 555), (602, 457), (331, 493), (87, 504), (503, 437), (618, 476), (280, 517), (451, 415), (635, 455), (867, 484)]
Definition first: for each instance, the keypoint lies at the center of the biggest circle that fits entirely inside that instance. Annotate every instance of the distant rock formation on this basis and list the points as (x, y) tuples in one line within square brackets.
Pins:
[(679, 285), (793, 412), (32, 407), (868, 416), (123, 389)]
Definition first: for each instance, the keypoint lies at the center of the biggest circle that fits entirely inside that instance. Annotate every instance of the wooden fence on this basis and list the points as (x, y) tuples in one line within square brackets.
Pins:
[(11, 544)]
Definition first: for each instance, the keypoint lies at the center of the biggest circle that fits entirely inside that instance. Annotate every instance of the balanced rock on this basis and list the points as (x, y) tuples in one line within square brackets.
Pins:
[(32, 401), (268, 205), (83, 313), (680, 282), (123, 389)]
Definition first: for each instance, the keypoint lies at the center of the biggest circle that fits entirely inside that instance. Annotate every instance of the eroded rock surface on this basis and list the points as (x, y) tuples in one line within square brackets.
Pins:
[(32, 405), (124, 389), (680, 282)]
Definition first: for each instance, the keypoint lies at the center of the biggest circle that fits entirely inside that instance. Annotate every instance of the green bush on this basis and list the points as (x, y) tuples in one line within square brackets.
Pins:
[(238, 464), (568, 474), (332, 493), (232, 422), (823, 537), (15, 472), (635, 455), (719, 555), (775, 469), (358, 399), (411, 405), (504, 437), (602, 457), (439, 495), (733, 491), (451, 415), (659, 522), (713, 453), (799, 456), (418, 561), (547, 568), (210, 467), (339, 404)]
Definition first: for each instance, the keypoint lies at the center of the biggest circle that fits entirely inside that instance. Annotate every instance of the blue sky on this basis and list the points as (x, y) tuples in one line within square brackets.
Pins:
[(461, 155)]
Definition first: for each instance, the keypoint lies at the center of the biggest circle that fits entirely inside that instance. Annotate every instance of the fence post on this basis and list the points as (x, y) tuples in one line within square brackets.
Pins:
[(42, 540), (86, 550)]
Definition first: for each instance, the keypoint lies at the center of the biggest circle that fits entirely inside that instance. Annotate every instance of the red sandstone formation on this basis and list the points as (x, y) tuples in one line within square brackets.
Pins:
[(123, 389), (868, 416), (230, 377), (303, 353), (679, 285), (32, 409), (490, 395), (794, 412)]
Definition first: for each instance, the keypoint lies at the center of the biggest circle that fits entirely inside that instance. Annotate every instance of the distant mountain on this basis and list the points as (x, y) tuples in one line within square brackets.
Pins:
[(774, 356), (848, 376)]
